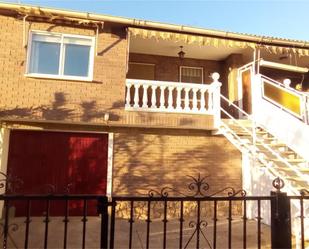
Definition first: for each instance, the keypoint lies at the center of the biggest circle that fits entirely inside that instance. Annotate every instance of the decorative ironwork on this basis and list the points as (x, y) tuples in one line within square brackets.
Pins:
[(278, 184), (197, 188), (304, 192), (10, 183), (6, 233), (198, 228)]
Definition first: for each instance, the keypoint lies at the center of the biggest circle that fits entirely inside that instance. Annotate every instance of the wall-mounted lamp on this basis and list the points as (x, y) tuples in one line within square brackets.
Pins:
[(181, 54)]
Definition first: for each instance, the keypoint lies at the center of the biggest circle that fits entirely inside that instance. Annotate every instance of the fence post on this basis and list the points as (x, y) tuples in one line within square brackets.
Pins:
[(280, 220), (103, 211)]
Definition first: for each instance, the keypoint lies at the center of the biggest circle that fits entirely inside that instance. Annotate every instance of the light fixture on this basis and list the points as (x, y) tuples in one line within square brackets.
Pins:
[(181, 54)]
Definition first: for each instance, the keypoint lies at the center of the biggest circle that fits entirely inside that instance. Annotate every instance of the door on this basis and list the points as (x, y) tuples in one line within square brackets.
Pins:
[(57, 163), (245, 76)]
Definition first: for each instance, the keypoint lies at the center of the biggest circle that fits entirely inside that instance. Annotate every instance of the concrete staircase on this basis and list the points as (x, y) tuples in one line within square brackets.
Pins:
[(279, 159)]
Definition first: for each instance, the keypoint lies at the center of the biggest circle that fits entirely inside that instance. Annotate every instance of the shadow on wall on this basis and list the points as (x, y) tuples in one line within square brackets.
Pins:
[(92, 111), (57, 110), (152, 161)]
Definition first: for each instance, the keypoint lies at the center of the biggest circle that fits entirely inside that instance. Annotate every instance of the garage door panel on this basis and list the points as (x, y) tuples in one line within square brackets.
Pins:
[(74, 161)]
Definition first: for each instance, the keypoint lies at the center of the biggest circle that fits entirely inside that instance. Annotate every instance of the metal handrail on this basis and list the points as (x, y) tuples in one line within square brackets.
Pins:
[(277, 155), (273, 171)]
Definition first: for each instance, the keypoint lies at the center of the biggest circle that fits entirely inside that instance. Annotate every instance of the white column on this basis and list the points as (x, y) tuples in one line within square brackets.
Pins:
[(194, 100), (203, 102), (128, 95), (187, 102), (216, 105), (162, 97), (170, 97), (153, 97), (178, 98), (136, 96), (145, 96)]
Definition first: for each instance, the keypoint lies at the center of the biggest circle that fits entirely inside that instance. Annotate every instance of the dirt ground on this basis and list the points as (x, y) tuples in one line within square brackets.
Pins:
[(16, 236)]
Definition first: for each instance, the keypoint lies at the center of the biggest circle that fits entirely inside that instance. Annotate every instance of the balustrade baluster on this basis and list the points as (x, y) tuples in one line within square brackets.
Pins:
[(210, 96), (194, 101), (153, 97), (203, 102), (145, 96), (136, 96), (162, 97), (178, 99), (187, 101), (170, 97), (128, 97)]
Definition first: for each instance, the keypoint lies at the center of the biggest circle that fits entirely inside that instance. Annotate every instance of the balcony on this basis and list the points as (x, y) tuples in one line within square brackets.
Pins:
[(173, 97)]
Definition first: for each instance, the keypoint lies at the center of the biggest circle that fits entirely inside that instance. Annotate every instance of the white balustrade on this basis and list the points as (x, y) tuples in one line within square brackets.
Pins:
[(177, 97)]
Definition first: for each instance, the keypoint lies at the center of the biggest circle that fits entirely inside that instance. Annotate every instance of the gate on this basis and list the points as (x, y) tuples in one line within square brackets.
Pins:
[(195, 218)]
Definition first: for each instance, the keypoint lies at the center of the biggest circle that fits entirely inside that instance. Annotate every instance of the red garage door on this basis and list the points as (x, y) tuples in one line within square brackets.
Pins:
[(57, 161)]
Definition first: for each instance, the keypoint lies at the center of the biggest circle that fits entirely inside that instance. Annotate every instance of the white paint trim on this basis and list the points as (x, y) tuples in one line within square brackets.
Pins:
[(183, 111), (60, 74), (56, 130), (4, 151), (58, 77), (109, 180)]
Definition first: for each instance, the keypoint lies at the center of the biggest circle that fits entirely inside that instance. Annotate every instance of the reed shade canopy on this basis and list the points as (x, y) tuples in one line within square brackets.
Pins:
[(213, 41)]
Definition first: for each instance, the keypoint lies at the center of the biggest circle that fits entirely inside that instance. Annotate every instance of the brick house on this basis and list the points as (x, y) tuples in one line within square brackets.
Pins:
[(117, 106)]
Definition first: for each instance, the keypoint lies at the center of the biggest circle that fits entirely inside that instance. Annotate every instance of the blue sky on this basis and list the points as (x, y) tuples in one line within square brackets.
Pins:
[(279, 18)]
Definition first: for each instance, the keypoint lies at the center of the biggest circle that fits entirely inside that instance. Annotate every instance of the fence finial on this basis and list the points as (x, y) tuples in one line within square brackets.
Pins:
[(278, 184)]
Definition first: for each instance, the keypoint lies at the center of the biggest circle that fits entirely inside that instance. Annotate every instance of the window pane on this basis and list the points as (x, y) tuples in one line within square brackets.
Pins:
[(44, 58), (191, 75), (141, 71), (76, 60), (77, 41), (46, 38)]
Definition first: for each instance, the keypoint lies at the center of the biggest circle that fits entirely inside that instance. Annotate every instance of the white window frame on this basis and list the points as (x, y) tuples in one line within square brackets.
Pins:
[(61, 59), (181, 67)]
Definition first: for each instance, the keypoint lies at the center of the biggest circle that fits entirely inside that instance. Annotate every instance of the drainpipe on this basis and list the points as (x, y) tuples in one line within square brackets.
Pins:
[(24, 31)]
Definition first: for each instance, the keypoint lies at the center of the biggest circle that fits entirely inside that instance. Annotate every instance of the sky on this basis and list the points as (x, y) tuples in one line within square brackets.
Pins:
[(278, 18)]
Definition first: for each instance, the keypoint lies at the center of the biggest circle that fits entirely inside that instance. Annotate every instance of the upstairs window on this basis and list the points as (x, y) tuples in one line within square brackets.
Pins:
[(191, 75), (143, 71), (60, 56)]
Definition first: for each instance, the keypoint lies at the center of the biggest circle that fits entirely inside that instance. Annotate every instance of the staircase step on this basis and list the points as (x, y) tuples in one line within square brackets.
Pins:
[(287, 169), (296, 179), (288, 153), (277, 145), (268, 138), (290, 160)]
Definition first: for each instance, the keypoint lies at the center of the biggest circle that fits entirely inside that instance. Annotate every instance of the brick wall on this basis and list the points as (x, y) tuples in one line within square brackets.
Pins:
[(50, 99), (77, 101), (145, 160), (167, 68)]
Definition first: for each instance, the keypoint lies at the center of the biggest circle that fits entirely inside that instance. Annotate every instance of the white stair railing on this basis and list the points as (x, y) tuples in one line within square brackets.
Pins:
[(266, 146), (286, 120)]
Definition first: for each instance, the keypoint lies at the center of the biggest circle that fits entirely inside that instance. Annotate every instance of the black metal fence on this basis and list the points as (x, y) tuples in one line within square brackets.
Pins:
[(164, 219)]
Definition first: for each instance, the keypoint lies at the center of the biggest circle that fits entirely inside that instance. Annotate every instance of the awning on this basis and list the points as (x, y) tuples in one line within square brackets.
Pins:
[(212, 41)]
